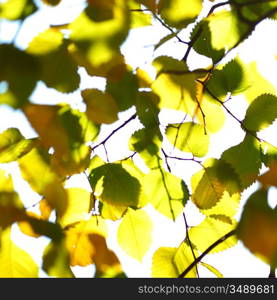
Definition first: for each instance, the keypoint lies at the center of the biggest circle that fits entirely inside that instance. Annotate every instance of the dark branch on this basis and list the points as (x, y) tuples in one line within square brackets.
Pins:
[(207, 251)]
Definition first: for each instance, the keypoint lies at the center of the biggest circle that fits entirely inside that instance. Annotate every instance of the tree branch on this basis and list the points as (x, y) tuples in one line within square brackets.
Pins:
[(209, 249)]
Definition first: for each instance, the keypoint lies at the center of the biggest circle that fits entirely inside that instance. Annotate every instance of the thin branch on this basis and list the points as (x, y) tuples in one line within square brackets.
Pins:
[(272, 273), (190, 244), (214, 7), (209, 249), (114, 131)]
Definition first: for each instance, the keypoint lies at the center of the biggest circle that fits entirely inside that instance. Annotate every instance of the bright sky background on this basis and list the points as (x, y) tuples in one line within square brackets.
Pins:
[(138, 51)]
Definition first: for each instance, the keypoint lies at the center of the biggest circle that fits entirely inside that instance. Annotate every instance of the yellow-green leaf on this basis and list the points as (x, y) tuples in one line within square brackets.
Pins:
[(189, 137), (15, 262), (212, 229), (135, 233), (212, 269), (179, 13)]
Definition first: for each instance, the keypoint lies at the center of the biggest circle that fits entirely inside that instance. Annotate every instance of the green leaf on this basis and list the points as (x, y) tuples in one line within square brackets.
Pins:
[(210, 184), (261, 112), (189, 137), (210, 230), (124, 90), (21, 72), (118, 186), (13, 145), (203, 44), (15, 262), (134, 233), (245, 159), (232, 78), (258, 84), (166, 192), (101, 107), (175, 85), (58, 68), (162, 263), (56, 260), (165, 39), (257, 228), (147, 143), (183, 258), (179, 13)]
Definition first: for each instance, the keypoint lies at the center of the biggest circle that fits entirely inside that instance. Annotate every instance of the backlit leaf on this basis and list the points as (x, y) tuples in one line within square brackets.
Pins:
[(210, 230), (162, 263), (13, 145), (261, 112), (174, 84), (119, 187), (179, 13), (16, 9), (15, 262), (166, 192), (212, 269), (270, 177), (209, 185), (183, 258), (189, 137), (134, 233)]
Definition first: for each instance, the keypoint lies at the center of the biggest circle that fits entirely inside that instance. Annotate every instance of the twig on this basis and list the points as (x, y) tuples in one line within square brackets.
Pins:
[(209, 249)]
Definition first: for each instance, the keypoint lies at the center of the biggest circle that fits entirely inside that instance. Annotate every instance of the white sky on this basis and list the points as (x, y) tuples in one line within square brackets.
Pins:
[(138, 51)]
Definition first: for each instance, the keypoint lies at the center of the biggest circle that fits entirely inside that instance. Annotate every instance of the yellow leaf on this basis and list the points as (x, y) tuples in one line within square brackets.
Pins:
[(101, 107), (134, 233), (27, 228), (15, 262), (78, 206), (162, 263)]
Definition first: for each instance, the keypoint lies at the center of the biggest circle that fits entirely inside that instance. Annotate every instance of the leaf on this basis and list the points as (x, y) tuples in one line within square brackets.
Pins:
[(119, 187), (101, 107), (20, 71), (111, 211), (123, 89), (59, 127), (100, 41), (78, 206), (176, 90), (183, 258), (58, 69), (56, 260), (210, 230), (165, 39), (227, 30), (257, 228), (35, 169), (147, 142), (201, 34), (166, 192), (13, 145), (261, 112), (52, 2), (209, 185), (245, 159), (212, 269), (258, 84), (179, 13), (17, 9), (84, 239), (270, 177), (140, 19), (147, 109), (162, 263), (189, 137), (15, 262), (134, 233), (232, 78)]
